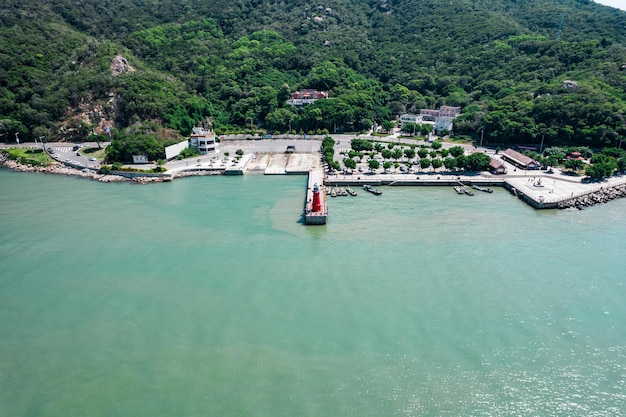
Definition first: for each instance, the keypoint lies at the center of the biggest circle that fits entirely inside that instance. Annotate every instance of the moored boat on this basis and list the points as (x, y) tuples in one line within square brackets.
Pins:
[(371, 189), (486, 190)]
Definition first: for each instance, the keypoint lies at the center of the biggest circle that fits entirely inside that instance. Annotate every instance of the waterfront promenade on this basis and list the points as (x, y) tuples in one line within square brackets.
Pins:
[(540, 189), (537, 188)]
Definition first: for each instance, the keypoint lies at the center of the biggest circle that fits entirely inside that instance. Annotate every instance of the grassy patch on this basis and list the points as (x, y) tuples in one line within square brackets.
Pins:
[(98, 153), (35, 157), (465, 140), (121, 168)]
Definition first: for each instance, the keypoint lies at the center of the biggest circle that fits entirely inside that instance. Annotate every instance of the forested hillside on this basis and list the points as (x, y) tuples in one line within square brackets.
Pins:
[(70, 69)]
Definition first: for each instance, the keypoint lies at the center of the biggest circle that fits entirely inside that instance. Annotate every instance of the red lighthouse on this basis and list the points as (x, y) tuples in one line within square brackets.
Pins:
[(317, 203)]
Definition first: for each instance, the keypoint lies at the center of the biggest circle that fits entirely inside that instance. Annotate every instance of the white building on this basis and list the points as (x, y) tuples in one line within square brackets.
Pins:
[(140, 159), (443, 123), (410, 118), (204, 141)]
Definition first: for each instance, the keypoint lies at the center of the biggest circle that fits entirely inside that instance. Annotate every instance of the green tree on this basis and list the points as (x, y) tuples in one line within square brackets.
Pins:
[(456, 151), (373, 164), (426, 128), (449, 163), (361, 145), (410, 128), (388, 125), (350, 163), (409, 153), (601, 169), (574, 164), (477, 162)]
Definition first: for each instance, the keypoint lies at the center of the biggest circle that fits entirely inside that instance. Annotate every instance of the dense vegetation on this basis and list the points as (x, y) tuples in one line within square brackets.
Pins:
[(181, 62)]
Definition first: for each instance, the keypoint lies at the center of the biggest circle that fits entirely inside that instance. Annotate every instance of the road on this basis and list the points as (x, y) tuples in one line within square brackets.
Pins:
[(65, 153)]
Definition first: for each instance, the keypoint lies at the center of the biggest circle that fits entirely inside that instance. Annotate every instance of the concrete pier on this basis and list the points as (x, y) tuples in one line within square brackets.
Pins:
[(316, 177), (536, 188)]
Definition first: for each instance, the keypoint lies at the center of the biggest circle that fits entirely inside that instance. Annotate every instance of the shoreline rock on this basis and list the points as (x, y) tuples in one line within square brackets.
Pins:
[(604, 195), (60, 169)]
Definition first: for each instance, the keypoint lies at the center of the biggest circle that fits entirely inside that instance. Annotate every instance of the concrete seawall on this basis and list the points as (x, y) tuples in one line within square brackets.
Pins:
[(540, 192), (426, 180)]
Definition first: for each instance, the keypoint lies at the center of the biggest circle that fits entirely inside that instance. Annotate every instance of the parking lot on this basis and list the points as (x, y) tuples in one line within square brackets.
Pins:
[(73, 155)]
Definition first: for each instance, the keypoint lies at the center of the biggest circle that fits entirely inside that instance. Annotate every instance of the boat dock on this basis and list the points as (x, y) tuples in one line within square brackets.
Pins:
[(315, 207)]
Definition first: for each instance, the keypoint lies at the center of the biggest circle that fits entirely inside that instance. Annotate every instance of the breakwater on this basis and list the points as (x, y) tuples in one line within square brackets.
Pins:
[(601, 196)]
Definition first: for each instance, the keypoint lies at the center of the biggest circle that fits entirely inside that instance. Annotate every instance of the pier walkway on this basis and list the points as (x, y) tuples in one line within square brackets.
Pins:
[(537, 188), (316, 178)]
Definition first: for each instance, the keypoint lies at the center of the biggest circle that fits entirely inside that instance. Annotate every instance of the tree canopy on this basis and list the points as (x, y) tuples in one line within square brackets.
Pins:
[(237, 63)]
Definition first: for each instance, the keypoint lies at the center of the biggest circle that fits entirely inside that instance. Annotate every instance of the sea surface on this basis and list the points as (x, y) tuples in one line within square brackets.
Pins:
[(207, 296)]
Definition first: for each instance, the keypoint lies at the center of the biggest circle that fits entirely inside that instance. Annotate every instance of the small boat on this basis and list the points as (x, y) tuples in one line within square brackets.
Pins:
[(343, 192), (486, 190), (333, 193), (372, 190), (459, 189), (351, 192)]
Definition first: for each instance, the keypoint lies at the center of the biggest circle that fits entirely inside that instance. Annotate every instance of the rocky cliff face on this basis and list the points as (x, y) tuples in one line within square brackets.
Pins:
[(92, 116), (120, 65)]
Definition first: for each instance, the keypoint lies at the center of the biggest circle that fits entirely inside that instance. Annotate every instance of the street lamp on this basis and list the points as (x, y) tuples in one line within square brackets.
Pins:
[(482, 132)]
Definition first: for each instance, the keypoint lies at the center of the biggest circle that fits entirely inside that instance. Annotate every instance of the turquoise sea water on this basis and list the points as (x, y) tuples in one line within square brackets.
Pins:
[(208, 297)]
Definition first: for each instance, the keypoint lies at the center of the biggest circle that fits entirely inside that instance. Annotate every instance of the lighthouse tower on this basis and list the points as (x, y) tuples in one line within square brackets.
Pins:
[(317, 202)]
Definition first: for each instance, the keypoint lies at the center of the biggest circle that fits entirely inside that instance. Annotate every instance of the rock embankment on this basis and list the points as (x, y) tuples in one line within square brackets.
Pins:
[(60, 169), (196, 173), (601, 196)]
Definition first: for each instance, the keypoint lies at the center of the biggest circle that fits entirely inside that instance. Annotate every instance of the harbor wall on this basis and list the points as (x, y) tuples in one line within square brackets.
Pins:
[(424, 181), (528, 199)]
